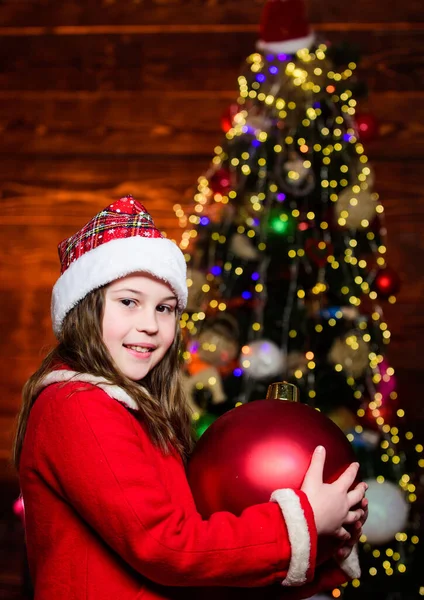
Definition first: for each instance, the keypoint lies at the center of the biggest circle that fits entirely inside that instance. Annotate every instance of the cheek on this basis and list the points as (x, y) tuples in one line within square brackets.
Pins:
[(169, 335), (110, 328)]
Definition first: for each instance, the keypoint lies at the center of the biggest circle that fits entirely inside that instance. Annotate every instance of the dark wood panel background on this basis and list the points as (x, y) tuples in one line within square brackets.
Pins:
[(98, 99)]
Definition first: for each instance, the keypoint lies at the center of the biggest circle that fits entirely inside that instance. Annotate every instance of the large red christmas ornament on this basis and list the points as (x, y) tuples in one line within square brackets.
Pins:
[(387, 282), (367, 126), (260, 447)]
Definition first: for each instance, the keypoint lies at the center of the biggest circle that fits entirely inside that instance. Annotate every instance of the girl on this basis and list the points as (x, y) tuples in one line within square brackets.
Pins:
[(104, 433)]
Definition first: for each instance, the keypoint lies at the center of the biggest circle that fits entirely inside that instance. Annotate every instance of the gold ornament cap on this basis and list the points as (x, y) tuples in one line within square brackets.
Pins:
[(282, 391)]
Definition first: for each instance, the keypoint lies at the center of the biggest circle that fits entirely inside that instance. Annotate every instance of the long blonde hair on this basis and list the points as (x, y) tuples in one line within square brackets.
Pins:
[(159, 397)]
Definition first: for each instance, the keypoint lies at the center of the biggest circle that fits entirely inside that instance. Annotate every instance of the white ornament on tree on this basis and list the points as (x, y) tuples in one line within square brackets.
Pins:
[(388, 512), (257, 121), (352, 352), (242, 247), (357, 209), (296, 172), (262, 359), (295, 176), (208, 378)]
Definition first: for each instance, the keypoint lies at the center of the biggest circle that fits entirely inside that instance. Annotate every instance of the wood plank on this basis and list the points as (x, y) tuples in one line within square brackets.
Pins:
[(138, 123), (392, 60), (67, 208), (79, 187), (72, 30), (48, 13), (17, 370), (114, 123), (7, 428), (7, 470), (133, 123), (100, 172), (68, 190)]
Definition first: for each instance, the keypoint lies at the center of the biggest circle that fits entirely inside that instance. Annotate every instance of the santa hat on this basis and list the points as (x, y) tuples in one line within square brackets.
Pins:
[(120, 240), (284, 28)]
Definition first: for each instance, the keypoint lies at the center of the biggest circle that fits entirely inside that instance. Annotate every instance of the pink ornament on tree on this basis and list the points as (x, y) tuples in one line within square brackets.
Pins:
[(220, 182), (383, 402), (387, 384)]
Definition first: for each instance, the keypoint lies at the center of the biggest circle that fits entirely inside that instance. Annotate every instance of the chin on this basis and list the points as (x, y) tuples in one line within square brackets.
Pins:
[(136, 376)]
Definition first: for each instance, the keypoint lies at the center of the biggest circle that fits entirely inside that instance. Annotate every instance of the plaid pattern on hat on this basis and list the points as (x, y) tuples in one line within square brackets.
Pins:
[(120, 240), (125, 218)]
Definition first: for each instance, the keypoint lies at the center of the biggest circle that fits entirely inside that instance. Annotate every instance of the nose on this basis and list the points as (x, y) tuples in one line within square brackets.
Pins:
[(147, 321)]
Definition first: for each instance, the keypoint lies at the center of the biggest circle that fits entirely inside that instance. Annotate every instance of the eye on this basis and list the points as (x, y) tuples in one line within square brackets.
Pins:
[(165, 308), (128, 302)]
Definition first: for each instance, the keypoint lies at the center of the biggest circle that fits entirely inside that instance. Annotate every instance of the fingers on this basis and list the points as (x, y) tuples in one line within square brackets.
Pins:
[(356, 495), (347, 477), (356, 533), (316, 468), (342, 534), (364, 506), (344, 552), (353, 516)]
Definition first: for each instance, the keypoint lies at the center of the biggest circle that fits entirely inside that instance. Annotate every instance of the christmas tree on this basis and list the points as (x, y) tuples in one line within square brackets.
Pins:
[(288, 275)]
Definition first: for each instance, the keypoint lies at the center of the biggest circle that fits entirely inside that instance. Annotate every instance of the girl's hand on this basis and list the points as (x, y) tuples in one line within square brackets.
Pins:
[(332, 502), (344, 551)]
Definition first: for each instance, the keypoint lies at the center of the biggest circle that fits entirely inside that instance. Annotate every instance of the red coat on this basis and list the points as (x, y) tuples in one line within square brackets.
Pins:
[(109, 516)]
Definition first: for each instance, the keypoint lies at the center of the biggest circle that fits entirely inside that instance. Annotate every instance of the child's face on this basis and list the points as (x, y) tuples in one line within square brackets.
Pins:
[(138, 323)]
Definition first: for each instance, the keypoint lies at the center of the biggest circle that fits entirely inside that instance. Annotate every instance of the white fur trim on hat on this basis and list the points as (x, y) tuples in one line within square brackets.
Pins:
[(64, 375), (286, 46), (114, 259), (300, 541)]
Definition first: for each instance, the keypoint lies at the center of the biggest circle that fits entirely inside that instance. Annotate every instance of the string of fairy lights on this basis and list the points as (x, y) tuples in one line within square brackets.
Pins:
[(308, 76)]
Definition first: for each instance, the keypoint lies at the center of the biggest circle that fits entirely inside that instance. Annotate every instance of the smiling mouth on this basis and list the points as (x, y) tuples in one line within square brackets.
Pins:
[(140, 349)]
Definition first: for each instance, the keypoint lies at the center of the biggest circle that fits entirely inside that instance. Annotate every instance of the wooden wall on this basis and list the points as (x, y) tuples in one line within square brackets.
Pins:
[(98, 99)]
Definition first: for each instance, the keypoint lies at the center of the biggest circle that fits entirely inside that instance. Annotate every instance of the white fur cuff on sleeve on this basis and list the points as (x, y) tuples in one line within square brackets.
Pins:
[(351, 564), (300, 541)]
